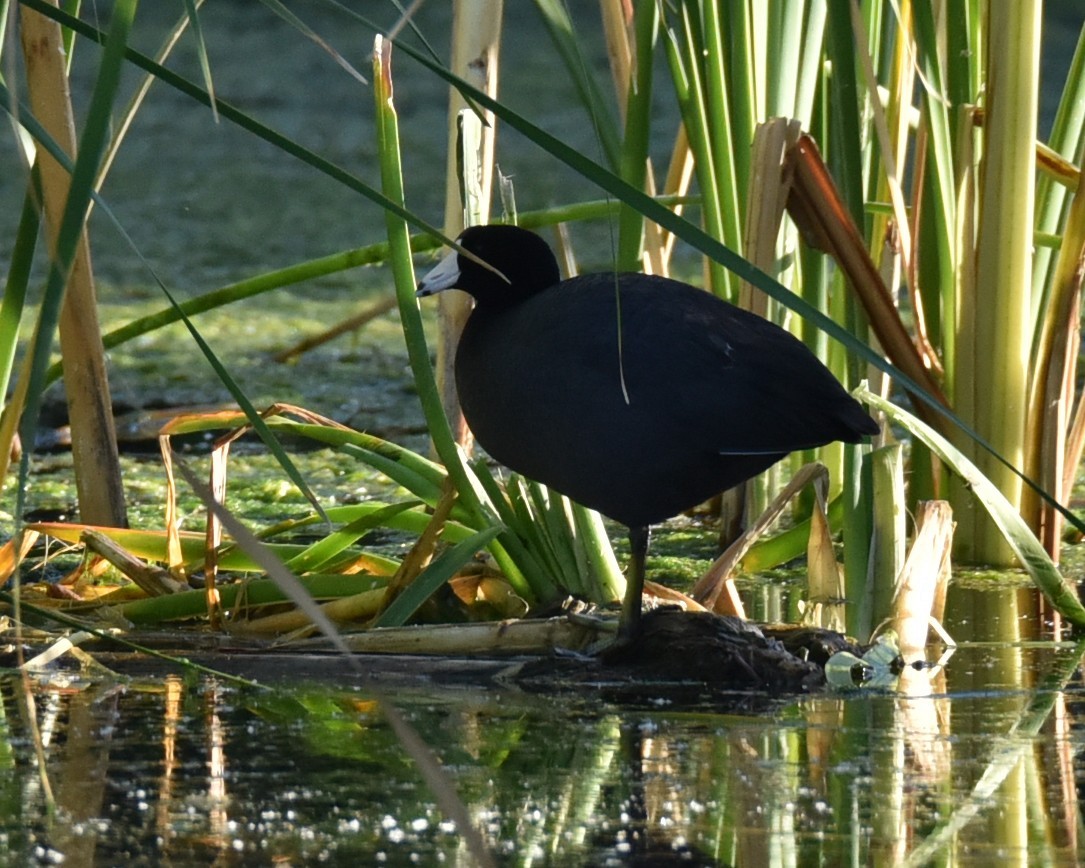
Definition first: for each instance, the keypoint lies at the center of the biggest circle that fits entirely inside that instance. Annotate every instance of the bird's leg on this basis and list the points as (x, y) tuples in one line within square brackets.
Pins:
[(617, 650), (629, 624)]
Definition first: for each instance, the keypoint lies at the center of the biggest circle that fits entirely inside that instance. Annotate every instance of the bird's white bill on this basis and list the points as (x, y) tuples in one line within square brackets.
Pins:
[(444, 275)]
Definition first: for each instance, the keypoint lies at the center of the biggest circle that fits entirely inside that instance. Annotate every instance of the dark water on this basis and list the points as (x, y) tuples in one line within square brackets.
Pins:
[(160, 771)]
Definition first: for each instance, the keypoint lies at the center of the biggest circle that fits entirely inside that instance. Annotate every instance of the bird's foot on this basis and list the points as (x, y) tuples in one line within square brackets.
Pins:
[(622, 647)]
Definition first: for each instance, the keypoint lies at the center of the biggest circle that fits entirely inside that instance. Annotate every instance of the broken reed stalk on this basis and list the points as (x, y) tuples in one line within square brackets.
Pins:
[(921, 590), (887, 551), (476, 39)]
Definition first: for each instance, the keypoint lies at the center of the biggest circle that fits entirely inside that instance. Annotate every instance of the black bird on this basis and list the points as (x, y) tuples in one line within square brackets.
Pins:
[(637, 396)]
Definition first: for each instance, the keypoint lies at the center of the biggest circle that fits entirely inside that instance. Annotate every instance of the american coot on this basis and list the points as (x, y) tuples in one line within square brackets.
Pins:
[(635, 395)]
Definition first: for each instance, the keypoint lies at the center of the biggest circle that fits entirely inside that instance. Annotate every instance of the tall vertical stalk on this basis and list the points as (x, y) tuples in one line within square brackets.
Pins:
[(94, 440), (934, 206), (994, 342), (846, 161), (634, 153), (1068, 140), (476, 40)]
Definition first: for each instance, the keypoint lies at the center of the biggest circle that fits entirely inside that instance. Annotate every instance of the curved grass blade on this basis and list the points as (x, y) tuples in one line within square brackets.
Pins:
[(526, 547), (322, 551), (433, 577), (259, 425), (152, 545), (789, 544), (260, 592), (419, 475), (14, 294), (413, 520), (372, 254), (1021, 539)]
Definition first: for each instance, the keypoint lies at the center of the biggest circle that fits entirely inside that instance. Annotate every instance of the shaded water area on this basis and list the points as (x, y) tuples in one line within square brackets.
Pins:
[(981, 760), (978, 762)]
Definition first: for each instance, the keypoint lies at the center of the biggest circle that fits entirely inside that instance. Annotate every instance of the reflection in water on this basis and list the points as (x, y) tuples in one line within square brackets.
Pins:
[(155, 771)]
